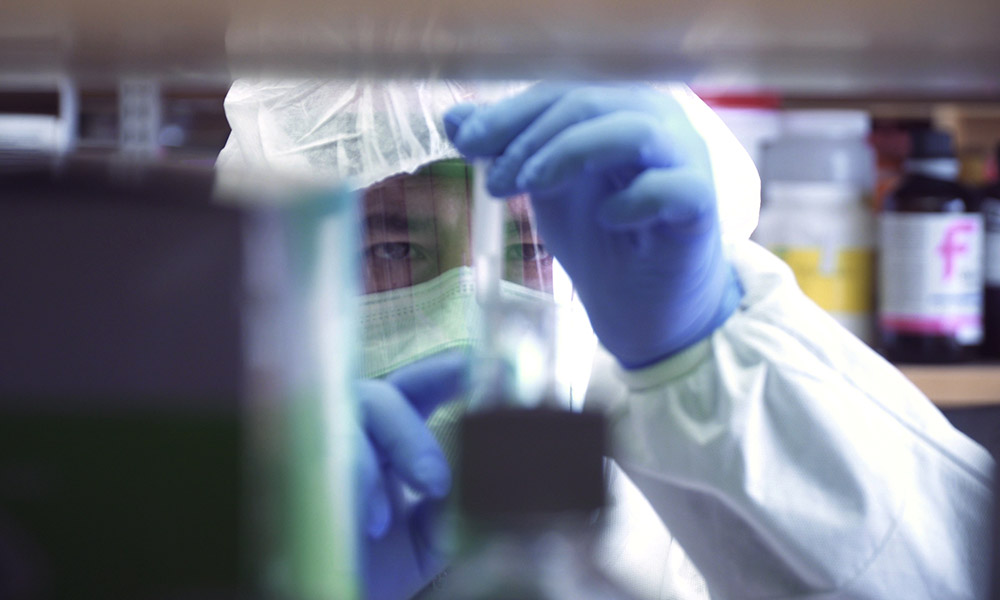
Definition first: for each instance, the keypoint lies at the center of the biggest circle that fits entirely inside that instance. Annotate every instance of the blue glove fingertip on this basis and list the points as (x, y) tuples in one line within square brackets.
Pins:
[(454, 118), (379, 516), (532, 177), (500, 182), (433, 474), (469, 134)]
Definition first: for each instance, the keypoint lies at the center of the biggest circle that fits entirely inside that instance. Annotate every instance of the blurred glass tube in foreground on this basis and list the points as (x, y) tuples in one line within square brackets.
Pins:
[(302, 320), (517, 364)]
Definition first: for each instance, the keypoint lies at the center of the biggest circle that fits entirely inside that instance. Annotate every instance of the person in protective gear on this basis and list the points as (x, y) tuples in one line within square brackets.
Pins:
[(783, 455)]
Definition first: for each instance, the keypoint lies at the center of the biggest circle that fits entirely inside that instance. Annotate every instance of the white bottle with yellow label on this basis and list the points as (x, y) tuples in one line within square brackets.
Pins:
[(826, 234)]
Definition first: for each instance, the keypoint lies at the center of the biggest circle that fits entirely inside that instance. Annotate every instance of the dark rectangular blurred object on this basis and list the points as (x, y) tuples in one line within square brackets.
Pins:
[(121, 366), (29, 102)]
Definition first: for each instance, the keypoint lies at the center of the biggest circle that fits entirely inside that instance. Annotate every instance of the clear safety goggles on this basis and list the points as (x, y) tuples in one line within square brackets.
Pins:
[(420, 295), (418, 227)]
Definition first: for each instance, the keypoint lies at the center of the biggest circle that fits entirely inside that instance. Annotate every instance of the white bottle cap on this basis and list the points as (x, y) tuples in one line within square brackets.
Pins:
[(827, 123), (810, 193)]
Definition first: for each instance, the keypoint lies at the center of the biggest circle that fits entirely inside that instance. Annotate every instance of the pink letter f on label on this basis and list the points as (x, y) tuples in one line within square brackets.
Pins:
[(951, 246)]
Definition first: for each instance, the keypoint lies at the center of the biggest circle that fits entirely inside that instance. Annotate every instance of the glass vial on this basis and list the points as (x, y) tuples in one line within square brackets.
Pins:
[(930, 265)]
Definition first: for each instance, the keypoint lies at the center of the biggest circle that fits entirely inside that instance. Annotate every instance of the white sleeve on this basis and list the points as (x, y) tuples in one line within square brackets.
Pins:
[(790, 460)]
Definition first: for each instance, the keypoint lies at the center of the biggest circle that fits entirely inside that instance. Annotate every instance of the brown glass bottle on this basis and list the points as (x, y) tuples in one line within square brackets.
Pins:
[(991, 267), (930, 263)]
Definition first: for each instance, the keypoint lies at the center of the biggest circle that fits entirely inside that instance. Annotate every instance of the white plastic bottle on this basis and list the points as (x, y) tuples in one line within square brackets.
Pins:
[(817, 177)]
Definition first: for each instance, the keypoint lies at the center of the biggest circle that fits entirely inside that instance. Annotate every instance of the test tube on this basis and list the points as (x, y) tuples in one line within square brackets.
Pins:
[(515, 366)]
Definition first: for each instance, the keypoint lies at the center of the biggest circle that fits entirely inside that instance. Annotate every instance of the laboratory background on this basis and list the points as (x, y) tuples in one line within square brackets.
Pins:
[(178, 346)]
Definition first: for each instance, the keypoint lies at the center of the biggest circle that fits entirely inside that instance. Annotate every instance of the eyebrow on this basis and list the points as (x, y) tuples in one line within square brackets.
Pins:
[(396, 223), (517, 226)]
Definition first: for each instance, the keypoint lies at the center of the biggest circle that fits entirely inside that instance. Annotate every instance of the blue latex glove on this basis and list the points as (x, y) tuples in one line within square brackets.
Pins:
[(622, 188), (403, 550)]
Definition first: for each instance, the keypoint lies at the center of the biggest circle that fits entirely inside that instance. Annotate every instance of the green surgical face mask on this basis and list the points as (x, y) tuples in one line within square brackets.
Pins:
[(402, 326)]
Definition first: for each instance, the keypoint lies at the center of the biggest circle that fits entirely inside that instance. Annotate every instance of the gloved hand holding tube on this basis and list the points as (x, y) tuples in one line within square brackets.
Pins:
[(399, 525), (622, 188)]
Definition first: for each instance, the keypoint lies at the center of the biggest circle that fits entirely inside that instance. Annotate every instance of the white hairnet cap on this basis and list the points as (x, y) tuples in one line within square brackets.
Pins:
[(360, 131), (364, 131)]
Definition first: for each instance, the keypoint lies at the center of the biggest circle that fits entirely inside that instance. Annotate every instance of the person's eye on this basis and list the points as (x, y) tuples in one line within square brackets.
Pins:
[(526, 252), (395, 251)]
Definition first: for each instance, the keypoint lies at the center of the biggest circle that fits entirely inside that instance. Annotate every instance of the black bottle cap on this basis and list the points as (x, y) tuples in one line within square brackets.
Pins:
[(930, 143), (518, 462)]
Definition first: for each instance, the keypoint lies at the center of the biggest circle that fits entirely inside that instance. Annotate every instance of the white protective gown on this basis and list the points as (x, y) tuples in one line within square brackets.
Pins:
[(791, 461), (787, 458)]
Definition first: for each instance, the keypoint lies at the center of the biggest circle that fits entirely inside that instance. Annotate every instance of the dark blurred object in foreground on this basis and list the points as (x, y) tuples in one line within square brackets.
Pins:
[(120, 377)]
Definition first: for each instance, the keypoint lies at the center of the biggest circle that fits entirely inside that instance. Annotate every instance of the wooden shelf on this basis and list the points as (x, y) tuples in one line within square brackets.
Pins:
[(957, 386)]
